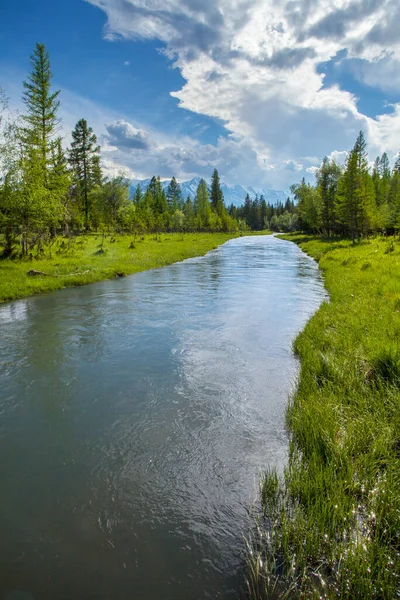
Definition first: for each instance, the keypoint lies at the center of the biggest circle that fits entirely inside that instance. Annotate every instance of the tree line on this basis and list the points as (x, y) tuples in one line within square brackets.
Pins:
[(155, 209), (46, 188), (257, 214), (353, 200)]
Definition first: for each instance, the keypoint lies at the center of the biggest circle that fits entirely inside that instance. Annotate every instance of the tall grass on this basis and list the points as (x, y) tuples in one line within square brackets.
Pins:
[(89, 258), (331, 525)]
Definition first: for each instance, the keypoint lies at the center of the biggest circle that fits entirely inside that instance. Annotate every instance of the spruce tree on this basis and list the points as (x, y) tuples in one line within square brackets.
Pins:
[(356, 204), (216, 195), (42, 105), (203, 209), (84, 158), (160, 199), (327, 184), (174, 195), (138, 196)]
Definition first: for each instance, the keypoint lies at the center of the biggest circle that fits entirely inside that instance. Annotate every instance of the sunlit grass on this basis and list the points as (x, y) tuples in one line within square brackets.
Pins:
[(331, 525), (89, 258)]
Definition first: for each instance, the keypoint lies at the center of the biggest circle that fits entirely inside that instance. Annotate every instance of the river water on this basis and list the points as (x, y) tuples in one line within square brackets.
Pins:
[(136, 416)]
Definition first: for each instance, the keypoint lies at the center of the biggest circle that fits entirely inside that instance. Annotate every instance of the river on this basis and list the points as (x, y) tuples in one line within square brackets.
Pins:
[(136, 416)]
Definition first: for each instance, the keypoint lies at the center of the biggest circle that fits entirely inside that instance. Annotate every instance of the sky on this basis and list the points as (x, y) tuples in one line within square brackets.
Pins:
[(259, 89)]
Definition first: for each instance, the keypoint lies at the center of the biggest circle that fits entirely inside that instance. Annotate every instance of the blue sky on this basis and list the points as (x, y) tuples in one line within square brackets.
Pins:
[(259, 90)]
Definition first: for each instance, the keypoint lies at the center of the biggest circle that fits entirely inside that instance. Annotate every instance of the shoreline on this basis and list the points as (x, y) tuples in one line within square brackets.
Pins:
[(332, 521), (96, 259)]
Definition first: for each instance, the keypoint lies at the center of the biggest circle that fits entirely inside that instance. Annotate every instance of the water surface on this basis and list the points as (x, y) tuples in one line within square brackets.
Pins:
[(135, 418)]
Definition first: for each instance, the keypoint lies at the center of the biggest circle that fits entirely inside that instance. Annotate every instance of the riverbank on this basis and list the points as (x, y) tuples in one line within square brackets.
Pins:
[(331, 527), (88, 258)]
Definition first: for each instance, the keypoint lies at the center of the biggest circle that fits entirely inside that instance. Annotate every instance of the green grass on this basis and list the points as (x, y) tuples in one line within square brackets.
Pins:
[(331, 526), (79, 260)]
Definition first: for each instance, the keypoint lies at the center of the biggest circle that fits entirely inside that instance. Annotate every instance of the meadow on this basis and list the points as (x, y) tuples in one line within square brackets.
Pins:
[(330, 526), (79, 260)]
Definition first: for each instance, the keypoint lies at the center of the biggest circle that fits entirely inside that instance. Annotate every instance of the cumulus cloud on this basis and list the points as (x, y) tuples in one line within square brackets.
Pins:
[(254, 65), (185, 159), (125, 136)]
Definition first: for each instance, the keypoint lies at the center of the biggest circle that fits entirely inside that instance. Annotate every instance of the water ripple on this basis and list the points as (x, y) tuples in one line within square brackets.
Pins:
[(136, 416)]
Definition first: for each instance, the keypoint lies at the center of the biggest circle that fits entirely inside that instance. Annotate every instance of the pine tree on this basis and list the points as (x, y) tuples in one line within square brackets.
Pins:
[(42, 105), (356, 204), (216, 195), (263, 212), (138, 196), (327, 184), (247, 209), (203, 209), (174, 195), (160, 199), (85, 162)]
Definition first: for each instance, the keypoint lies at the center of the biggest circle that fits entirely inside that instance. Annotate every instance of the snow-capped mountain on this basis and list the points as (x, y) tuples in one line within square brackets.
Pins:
[(232, 194)]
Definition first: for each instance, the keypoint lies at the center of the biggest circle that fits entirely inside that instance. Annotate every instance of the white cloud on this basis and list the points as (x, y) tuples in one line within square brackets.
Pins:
[(124, 135), (253, 64), (127, 63)]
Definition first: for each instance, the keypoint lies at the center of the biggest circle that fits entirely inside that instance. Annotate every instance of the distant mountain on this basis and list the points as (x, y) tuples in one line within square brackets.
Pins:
[(232, 194)]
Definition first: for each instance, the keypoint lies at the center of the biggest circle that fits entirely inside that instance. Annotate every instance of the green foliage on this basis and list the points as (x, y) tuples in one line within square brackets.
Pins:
[(216, 195), (354, 202), (328, 177), (110, 203), (309, 206), (204, 216), (41, 104), (174, 195), (85, 164)]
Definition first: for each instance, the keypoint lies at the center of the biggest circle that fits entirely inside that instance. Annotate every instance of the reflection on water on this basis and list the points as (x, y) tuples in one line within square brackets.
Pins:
[(136, 416)]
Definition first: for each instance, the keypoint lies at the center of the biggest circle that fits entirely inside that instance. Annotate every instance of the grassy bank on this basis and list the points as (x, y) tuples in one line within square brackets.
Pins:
[(331, 526), (89, 258)]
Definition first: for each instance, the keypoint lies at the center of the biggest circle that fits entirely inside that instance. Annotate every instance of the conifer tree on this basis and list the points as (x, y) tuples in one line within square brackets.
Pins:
[(216, 195), (42, 105), (356, 195), (160, 199), (84, 158), (327, 183), (263, 212), (203, 208), (174, 195), (138, 196)]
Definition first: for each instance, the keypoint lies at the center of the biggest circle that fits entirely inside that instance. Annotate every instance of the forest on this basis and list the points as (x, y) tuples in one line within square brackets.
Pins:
[(351, 201), (47, 189)]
